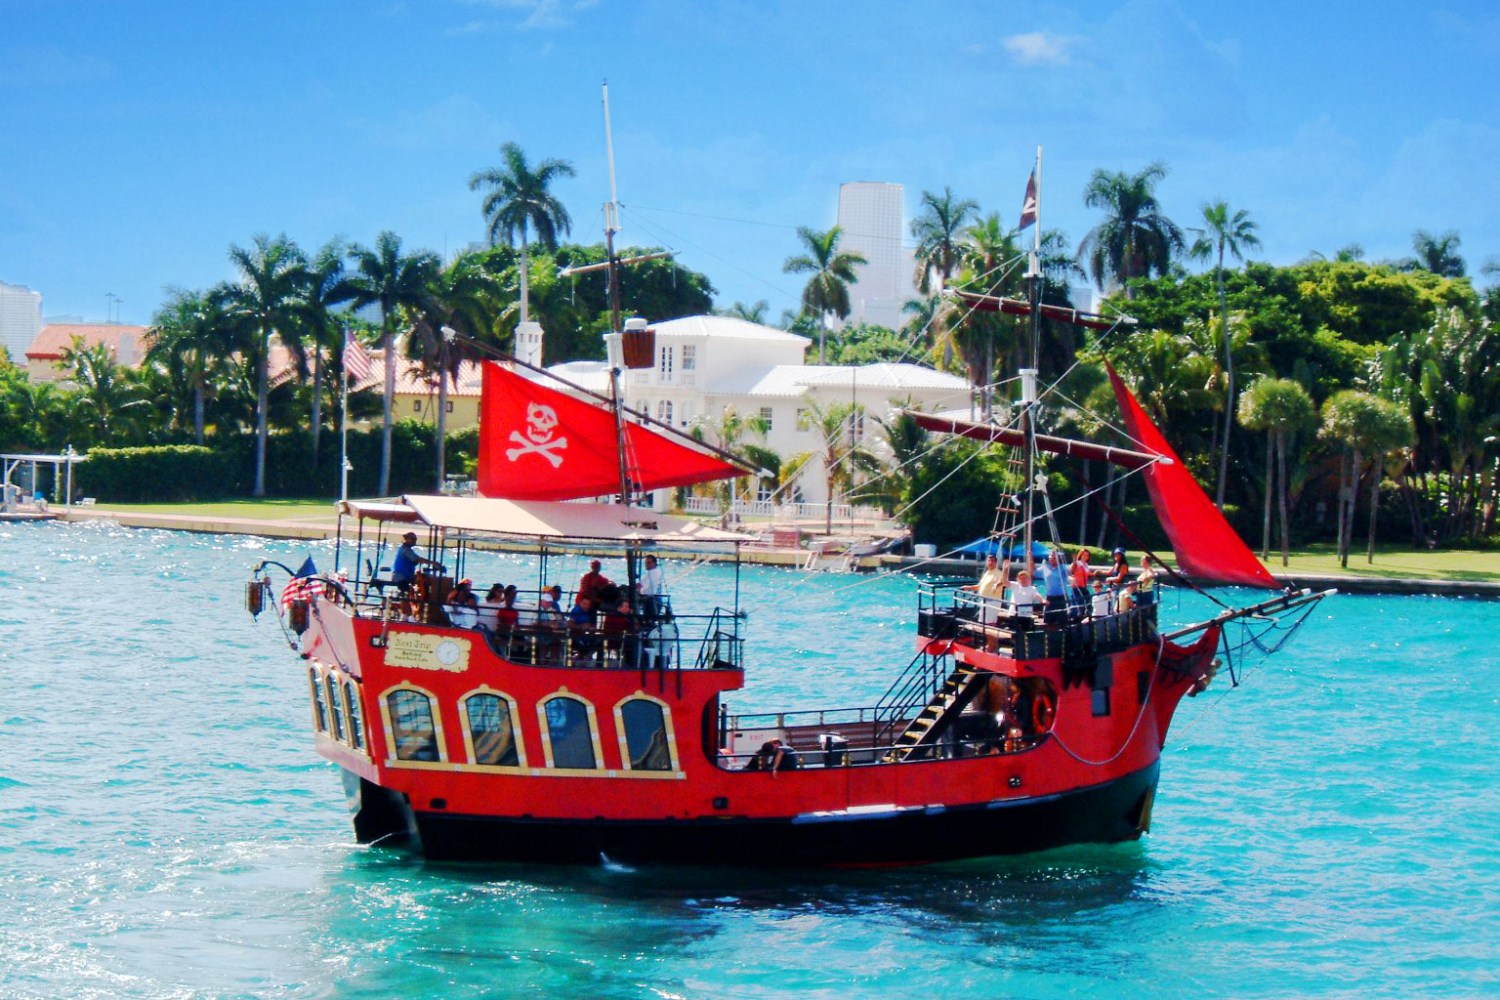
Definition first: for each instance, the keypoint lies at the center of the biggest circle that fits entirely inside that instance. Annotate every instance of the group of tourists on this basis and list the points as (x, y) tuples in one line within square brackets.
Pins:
[(1068, 590), (603, 623)]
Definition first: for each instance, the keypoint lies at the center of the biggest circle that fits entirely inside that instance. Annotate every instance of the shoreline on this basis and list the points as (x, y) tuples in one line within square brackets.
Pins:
[(327, 530)]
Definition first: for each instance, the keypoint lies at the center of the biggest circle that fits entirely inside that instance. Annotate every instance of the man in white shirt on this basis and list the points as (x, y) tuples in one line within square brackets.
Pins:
[(653, 588)]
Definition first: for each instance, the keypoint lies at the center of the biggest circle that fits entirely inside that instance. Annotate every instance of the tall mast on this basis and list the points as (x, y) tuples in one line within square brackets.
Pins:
[(1029, 375), (611, 224)]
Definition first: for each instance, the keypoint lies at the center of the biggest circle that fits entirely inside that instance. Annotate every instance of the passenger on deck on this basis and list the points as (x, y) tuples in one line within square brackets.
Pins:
[(1024, 598), (581, 627), (592, 582), (1102, 600), (1125, 599), (404, 566), (773, 756), (1081, 573), (619, 641), (653, 588), (991, 589), (549, 608), (1055, 586), (1145, 584), (489, 608), (1119, 572), (462, 605)]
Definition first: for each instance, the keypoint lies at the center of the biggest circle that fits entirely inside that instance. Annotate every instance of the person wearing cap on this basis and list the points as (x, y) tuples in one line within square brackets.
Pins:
[(463, 606), (404, 567)]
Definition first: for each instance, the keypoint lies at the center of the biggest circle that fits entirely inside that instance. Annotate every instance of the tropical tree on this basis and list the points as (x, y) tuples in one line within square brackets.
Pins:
[(1281, 407), (1391, 432), (36, 413), (843, 457), (518, 202), (394, 281), (731, 431), (191, 339), (1353, 420), (1224, 233), (1438, 254), (832, 270), (1135, 238), (753, 313), (266, 298), (106, 396), (327, 287), (938, 230), (459, 309)]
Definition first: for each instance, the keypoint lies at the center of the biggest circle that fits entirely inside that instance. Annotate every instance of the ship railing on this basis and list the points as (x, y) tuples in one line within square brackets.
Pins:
[(847, 737)]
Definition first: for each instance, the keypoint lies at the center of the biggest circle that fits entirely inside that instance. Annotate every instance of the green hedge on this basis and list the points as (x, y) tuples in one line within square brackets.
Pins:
[(191, 473), (166, 473)]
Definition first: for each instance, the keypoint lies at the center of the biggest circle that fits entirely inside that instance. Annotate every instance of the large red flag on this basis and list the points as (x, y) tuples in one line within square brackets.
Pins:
[(536, 443), (1205, 544)]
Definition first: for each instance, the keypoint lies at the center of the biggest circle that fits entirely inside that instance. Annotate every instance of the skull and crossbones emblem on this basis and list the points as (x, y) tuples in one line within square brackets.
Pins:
[(541, 423)]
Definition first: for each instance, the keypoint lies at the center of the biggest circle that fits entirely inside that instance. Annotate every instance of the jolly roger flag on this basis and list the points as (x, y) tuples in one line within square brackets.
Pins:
[(536, 443)]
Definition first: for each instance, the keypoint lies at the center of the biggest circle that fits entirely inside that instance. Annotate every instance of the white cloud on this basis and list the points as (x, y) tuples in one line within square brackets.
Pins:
[(1035, 48)]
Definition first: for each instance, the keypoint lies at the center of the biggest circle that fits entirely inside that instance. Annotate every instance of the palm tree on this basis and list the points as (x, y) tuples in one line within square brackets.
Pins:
[(827, 291), (1438, 254), (730, 431), (267, 298), (189, 338), (106, 396), (394, 281), (1135, 238), (462, 298), (753, 313), (1222, 234), (1280, 407), (1391, 431), (519, 202), (843, 457), (1354, 420), (327, 286), (937, 231)]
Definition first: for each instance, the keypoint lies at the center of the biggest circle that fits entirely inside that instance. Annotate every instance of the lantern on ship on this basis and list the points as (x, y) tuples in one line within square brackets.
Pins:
[(638, 344)]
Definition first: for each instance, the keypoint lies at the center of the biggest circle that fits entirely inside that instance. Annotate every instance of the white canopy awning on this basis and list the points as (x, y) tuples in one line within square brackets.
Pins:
[(543, 519)]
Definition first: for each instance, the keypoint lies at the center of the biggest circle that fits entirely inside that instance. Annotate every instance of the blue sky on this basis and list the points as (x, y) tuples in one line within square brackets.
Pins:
[(139, 140)]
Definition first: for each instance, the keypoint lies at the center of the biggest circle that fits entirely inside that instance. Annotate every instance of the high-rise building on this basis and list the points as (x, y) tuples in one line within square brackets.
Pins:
[(873, 219), (20, 320)]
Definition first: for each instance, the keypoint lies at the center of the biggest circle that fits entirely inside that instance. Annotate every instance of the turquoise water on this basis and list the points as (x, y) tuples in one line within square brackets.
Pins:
[(1329, 828)]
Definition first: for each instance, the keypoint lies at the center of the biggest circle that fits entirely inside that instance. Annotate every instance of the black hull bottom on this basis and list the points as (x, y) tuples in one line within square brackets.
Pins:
[(1115, 811)]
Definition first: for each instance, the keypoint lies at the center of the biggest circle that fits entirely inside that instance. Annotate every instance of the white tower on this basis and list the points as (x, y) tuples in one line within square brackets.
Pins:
[(529, 342), (20, 320), (872, 217)]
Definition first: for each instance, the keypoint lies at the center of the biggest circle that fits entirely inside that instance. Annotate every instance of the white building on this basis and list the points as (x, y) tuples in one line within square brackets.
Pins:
[(873, 219), (20, 320), (707, 363)]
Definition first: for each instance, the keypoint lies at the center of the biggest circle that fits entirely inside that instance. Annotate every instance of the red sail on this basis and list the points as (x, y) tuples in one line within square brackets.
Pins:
[(537, 443), (1205, 544)]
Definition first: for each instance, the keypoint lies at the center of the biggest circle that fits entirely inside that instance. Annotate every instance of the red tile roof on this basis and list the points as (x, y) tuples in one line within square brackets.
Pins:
[(127, 342)]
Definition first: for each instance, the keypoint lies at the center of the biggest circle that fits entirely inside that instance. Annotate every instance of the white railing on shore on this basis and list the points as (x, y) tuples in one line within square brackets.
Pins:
[(782, 511)]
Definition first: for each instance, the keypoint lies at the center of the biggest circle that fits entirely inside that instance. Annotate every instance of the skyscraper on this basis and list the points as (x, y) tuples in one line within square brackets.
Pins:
[(872, 217), (20, 320)]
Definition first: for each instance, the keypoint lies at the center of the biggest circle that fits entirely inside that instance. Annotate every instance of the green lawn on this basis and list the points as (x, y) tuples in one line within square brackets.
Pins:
[(1390, 562), (261, 510)]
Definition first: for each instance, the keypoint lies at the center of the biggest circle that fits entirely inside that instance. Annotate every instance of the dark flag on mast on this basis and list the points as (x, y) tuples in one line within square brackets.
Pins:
[(1029, 204)]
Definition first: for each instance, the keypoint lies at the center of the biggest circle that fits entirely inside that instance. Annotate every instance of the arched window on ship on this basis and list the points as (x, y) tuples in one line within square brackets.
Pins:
[(320, 710), (335, 705), (413, 729), (647, 744), (490, 722), (351, 709), (570, 733)]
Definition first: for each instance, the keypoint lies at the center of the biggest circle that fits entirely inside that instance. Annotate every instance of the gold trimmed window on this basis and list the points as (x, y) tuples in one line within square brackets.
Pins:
[(320, 710), (351, 709), (335, 705), (413, 728), (569, 726), (646, 742), (490, 730)]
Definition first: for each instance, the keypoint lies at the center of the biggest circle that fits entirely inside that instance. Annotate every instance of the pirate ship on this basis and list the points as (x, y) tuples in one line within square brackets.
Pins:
[(533, 738)]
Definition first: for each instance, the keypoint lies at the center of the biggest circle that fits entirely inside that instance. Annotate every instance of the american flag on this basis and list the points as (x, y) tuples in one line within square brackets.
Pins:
[(357, 363), (1029, 204), (304, 586)]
